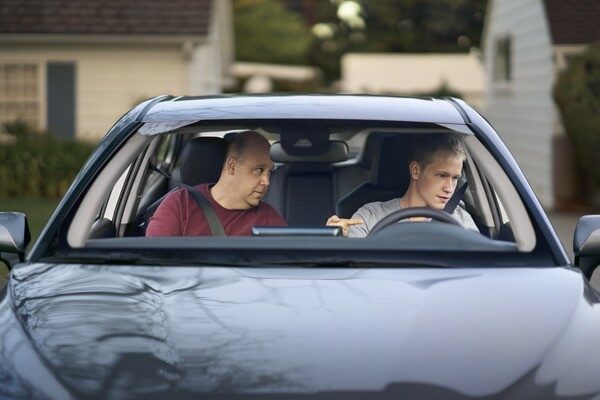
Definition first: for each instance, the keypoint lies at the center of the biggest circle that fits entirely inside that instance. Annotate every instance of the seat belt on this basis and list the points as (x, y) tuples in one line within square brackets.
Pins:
[(216, 228), (456, 198)]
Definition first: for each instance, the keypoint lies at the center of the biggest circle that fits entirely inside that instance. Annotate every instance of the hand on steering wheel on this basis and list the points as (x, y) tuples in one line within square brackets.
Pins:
[(413, 212)]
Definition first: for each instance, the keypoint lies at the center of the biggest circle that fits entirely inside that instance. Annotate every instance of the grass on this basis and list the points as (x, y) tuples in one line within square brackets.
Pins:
[(38, 210)]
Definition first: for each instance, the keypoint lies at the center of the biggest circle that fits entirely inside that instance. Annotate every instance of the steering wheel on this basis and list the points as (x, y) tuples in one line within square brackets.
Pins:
[(412, 212)]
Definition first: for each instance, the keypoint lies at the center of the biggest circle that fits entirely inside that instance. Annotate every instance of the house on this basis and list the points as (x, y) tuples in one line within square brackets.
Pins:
[(74, 67), (526, 43), (414, 74)]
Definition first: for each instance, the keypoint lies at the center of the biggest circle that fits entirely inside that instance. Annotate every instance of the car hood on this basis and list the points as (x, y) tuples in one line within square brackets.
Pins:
[(121, 332)]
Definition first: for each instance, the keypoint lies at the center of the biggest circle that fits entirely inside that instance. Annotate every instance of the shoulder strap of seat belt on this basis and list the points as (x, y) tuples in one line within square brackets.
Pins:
[(216, 228), (456, 198)]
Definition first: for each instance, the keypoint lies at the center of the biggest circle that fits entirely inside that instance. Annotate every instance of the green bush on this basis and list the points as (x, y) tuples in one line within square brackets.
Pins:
[(577, 93), (40, 165)]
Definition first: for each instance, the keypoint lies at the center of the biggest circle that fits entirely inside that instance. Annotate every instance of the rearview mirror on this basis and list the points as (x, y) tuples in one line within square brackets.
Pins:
[(586, 244), (14, 233)]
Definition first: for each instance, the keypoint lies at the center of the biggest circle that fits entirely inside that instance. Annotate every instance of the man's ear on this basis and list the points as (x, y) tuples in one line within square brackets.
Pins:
[(415, 170), (230, 164)]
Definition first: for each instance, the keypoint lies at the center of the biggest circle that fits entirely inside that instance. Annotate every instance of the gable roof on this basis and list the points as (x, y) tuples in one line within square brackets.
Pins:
[(573, 21), (164, 17)]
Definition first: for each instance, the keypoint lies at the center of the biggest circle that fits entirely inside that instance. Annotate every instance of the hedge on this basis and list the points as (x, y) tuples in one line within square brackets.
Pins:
[(40, 165), (577, 93)]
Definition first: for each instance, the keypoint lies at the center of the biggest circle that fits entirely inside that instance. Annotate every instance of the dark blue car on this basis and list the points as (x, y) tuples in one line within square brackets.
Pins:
[(419, 310)]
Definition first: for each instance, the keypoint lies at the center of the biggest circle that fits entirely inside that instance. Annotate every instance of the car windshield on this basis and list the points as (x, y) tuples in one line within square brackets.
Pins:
[(353, 192)]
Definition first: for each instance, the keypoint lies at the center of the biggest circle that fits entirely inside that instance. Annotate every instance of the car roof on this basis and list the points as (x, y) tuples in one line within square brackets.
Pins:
[(294, 106)]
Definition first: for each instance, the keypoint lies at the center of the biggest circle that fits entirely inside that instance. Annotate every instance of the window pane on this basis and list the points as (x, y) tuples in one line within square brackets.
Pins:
[(502, 61), (30, 90), (13, 72), (12, 89), (30, 72)]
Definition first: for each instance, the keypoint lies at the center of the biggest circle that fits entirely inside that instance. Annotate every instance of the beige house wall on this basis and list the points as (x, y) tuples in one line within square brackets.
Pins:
[(110, 78), (410, 74)]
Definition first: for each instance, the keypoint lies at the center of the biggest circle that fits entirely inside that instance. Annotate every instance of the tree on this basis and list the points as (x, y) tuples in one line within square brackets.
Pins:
[(577, 93), (419, 25), (393, 26), (265, 31)]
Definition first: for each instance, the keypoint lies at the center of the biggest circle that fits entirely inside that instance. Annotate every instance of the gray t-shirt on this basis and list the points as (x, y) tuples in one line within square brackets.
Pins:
[(372, 213)]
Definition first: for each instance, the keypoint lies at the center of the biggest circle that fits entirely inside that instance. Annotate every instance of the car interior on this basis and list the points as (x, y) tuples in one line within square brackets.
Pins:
[(321, 168)]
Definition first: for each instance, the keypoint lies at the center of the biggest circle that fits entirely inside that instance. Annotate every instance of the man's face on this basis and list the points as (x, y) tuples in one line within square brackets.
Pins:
[(436, 183), (251, 176)]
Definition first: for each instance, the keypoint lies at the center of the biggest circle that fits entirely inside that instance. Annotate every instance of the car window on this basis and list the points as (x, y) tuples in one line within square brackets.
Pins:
[(115, 194), (166, 151), (307, 189)]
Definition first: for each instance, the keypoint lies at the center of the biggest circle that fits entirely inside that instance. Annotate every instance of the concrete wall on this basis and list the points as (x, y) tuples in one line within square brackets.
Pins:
[(209, 60), (110, 78), (522, 109)]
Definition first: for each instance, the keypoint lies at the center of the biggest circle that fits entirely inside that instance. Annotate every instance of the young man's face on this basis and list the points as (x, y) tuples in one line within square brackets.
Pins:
[(436, 183), (252, 175)]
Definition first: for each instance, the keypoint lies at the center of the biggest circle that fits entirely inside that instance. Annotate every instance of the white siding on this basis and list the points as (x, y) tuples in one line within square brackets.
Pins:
[(522, 110), (110, 79)]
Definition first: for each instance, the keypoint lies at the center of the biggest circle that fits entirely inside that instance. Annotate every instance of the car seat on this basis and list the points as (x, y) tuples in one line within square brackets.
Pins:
[(302, 188), (347, 176), (201, 162), (388, 177)]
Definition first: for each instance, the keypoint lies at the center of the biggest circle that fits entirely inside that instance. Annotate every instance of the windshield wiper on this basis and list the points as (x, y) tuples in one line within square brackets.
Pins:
[(228, 260), (315, 263)]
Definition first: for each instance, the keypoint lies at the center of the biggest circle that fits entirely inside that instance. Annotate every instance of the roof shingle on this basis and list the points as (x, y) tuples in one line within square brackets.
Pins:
[(164, 17), (574, 21)]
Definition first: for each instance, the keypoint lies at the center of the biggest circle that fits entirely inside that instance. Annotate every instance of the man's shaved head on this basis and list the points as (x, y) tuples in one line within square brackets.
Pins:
[(245, 176), (243, 142)]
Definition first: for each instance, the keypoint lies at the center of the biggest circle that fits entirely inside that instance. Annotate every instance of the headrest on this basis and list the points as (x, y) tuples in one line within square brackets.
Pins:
[(390, 166), (202, 160), (372, 147), (335, 151)]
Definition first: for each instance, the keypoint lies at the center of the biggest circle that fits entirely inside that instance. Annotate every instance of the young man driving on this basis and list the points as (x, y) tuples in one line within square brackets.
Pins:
[(435, 167)]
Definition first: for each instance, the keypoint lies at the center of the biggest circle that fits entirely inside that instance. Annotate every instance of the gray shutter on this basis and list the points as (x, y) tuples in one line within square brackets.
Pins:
[(60, 99)]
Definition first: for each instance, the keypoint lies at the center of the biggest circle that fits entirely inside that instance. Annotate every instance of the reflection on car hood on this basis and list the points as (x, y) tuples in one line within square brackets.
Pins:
[(122, 332)]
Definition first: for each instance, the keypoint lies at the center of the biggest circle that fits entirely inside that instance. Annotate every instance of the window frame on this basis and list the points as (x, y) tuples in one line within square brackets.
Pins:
[(37, 97)]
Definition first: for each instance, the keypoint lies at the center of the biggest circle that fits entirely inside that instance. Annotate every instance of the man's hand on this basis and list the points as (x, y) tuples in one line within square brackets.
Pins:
[(345, 224)]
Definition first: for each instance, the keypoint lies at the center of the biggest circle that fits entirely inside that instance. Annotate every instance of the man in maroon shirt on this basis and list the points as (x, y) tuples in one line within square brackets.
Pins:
[(235, 198)]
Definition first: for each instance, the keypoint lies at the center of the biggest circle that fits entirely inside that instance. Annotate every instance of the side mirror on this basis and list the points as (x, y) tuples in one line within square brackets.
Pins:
[(14, 234), (586, 244)]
